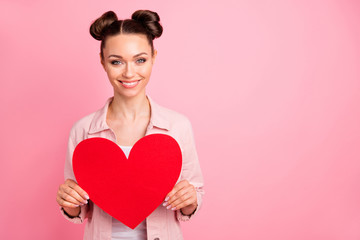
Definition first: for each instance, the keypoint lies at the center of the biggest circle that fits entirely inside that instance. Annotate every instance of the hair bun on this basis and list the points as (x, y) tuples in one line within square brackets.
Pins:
[(150, 20), (99, 26)]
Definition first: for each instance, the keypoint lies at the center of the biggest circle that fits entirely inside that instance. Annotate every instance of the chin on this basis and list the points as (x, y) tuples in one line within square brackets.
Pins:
[(129, 94)]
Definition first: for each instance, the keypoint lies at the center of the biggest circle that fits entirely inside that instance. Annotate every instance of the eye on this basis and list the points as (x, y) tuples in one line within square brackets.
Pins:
[(115, 62), (142, 60)]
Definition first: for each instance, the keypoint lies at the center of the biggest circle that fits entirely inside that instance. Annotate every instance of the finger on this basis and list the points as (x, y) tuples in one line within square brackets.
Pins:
[(67, 190), (187, 198), (74, 194), (176, 188), (72, 200), (64, 203), (187, 188), (177, 195), (81, 191), (72, 184), (69, 198), (187, 202)]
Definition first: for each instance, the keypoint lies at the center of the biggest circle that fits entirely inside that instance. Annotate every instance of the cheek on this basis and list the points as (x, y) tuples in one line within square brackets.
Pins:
[(113, 72), (146, 71)]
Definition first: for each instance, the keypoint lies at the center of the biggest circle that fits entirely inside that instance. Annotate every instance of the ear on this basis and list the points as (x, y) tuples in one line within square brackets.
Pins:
[(101, 61), (153, 57)]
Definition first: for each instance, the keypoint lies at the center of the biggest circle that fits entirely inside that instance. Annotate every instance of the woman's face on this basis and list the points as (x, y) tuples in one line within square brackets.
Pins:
[(128, 63)]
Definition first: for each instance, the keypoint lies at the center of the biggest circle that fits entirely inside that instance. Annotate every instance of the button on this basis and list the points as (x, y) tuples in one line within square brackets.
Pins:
[(156, 238)]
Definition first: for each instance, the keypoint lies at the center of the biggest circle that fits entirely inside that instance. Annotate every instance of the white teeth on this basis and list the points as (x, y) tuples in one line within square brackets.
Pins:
[(129, 84)]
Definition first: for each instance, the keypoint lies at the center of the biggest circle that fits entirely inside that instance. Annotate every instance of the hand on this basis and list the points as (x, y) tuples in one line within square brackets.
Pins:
[(183, 196), (70, 196)]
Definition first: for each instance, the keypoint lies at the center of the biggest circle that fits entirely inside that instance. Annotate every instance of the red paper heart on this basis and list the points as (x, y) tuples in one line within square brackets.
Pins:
[(128, 189)]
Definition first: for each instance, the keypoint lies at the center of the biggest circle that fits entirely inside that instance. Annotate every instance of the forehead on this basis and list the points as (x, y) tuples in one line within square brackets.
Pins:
[(127, 45)]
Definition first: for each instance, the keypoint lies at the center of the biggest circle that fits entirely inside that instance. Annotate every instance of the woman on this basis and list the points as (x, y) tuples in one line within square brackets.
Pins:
[(127, 55)]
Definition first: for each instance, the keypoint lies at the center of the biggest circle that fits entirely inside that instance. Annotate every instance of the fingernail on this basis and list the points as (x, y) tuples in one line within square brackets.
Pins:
[(165, 204), (174, 208), (76, 205), (168, 207), (167, 198), (86, 196)]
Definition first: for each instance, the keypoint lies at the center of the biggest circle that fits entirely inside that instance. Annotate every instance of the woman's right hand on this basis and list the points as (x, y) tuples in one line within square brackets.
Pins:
[(71, 196)]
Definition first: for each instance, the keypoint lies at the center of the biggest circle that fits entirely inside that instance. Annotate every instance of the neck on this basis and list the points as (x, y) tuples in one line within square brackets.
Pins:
[(129, 108)]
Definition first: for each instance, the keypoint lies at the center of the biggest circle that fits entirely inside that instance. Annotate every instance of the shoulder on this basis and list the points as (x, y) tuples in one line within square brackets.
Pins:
[(177, 124), (83, 124), (80, 128), (173, 118), (95, 120)]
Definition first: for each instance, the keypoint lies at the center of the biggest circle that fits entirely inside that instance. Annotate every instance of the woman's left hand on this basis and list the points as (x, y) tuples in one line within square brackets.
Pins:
[(183, 196)]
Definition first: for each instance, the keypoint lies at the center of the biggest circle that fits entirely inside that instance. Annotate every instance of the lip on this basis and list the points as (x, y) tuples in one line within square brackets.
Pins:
[(128, 82)]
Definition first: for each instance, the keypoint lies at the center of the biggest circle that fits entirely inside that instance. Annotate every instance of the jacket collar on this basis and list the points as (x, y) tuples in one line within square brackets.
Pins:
[(157, 117)]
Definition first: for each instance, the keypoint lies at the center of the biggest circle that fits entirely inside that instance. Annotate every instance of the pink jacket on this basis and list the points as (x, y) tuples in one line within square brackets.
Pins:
[(162, 224)]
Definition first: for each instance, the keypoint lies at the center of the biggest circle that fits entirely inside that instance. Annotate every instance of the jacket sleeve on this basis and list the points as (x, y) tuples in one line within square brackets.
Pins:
[(191, 169), (85, 210)]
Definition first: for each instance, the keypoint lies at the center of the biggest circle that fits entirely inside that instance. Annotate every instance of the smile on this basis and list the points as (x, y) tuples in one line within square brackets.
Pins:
[(131, 84)]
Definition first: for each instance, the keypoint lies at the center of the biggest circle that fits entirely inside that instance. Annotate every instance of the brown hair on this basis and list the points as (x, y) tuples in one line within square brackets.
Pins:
[(142, 22)]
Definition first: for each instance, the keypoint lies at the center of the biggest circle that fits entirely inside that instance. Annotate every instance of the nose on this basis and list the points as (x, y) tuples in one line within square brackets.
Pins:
[(129, 71)]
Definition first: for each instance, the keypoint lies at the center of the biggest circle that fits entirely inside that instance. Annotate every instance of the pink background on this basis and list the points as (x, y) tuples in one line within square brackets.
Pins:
[(272, 89)]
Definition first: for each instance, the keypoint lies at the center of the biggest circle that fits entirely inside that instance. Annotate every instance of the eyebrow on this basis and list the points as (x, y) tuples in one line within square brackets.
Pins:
[(118, 56)]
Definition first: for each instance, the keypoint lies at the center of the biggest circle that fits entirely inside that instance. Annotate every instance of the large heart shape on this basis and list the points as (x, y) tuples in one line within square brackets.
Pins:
[(128, 189)]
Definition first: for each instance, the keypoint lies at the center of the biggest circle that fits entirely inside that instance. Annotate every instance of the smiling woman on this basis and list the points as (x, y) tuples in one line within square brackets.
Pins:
[(130, 71), (127, 55)]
